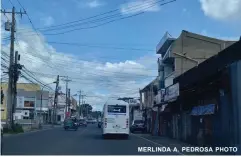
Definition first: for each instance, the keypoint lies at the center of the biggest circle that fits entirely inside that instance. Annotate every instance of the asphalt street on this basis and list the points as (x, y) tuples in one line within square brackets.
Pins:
[(85, 141)]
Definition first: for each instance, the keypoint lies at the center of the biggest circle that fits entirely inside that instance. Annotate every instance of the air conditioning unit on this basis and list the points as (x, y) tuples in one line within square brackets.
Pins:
[(25, 113)]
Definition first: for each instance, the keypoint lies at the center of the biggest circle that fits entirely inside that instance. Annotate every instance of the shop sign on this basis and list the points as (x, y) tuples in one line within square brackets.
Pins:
[(20, 102), (172, 92)]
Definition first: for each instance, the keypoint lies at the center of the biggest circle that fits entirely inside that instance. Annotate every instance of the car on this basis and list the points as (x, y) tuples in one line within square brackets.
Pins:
[(70, 124), (138, 125), (82, 122)]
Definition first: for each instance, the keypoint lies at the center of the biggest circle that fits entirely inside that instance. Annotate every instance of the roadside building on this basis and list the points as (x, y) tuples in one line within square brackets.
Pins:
[(179, 55), (26, 103), (210, 97)]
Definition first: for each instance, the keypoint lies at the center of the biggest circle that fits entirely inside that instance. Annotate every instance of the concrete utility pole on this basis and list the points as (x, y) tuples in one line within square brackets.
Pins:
[(69, 100), (16, 76), (56, 100), (10, 101), (79, 103), (66, 80)]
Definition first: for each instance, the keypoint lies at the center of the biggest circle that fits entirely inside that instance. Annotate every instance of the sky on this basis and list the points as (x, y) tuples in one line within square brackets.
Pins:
[(114, 59)]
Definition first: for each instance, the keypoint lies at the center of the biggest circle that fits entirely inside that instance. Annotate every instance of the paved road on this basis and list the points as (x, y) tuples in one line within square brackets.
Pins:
[(85, 141)]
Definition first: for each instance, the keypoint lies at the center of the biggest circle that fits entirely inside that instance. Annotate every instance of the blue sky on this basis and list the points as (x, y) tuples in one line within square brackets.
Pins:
[(215, 18), (143, 31)]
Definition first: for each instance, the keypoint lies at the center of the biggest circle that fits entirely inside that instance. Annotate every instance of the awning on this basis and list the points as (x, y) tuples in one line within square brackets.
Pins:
[(203, 110)]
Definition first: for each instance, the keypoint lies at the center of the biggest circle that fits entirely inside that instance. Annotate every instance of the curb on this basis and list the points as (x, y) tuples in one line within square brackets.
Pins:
[(31, 131)]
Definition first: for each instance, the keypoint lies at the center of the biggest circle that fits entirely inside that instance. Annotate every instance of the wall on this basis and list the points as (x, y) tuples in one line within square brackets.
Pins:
[(197, 47), (20, 86), (235, 73)]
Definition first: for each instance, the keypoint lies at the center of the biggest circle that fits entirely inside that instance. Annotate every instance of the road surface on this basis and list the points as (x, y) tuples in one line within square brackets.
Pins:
[(85, 141)]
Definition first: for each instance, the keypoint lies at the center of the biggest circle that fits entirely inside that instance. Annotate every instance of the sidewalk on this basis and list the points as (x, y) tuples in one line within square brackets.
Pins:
[(168, 142)]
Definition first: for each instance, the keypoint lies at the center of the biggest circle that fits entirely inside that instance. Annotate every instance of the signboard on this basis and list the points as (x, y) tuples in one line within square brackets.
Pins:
[(133, 102), (20, 102), (172, 92), (67, 114)]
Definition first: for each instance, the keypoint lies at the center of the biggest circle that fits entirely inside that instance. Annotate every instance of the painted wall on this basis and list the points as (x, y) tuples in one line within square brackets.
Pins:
[(23, 86)]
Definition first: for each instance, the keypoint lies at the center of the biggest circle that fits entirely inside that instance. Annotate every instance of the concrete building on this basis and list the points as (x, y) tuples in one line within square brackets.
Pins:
[(178, 55), (185, 52), (61, 107), (147, 97), (29, 106), (28, 100)]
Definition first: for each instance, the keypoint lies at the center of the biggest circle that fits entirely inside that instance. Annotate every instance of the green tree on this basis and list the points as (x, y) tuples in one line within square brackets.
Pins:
[(86, 108)]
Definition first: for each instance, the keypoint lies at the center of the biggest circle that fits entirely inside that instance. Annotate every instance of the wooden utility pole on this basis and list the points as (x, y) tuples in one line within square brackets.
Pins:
[(10, 101)]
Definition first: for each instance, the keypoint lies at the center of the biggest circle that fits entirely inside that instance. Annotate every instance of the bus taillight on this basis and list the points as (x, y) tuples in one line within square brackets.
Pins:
[(105, 122), (127, 123)]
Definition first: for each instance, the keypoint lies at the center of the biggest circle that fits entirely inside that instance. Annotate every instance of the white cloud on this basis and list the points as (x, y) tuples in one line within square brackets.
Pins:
[(222, 9), (227, 38), (89, 3), (47, 21), (94, 4), (138, 6), (96, 79)]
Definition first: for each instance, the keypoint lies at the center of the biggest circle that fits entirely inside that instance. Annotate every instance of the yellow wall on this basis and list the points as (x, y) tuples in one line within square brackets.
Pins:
[(24, 86)]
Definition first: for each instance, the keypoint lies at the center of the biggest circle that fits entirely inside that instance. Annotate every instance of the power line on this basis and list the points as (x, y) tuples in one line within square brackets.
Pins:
[(108, 21), (4, 9), (11, 2), (84, 19), (136, 8), (111, 20), (28, 18), (97, 46)]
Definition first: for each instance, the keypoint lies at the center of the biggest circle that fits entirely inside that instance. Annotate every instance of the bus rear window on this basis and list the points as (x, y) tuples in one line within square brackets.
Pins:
[(116, 109)]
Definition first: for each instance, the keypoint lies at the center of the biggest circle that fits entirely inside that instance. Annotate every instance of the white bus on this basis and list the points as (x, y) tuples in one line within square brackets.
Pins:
[(115, 118)]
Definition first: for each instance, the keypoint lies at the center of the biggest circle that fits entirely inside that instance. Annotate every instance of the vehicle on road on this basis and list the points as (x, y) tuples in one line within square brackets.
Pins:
[(137, 125), (82, 122), (115, 118), (70, 124)]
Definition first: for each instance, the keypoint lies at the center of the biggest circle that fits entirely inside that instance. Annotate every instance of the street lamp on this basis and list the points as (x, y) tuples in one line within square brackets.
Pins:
[(41, 103)]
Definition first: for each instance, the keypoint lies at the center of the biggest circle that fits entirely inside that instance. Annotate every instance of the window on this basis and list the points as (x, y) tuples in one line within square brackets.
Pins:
[(28, 103), (116, 109)]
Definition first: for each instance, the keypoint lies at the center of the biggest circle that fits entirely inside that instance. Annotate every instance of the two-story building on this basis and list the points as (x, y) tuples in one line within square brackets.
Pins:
[(29, 106), (178, 55)]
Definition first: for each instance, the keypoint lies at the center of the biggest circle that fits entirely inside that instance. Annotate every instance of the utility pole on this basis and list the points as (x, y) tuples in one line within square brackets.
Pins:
[(79, 103), (69, 100), (56, 100), (15, 76), (66, 106), (11, 62)]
